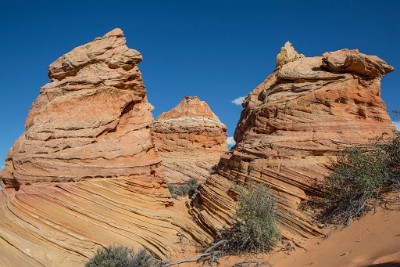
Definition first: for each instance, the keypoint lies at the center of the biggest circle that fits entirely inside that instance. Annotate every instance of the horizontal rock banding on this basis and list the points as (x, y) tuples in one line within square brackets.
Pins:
[(85, 173), (91, 121), (190, 138), (291, 128)]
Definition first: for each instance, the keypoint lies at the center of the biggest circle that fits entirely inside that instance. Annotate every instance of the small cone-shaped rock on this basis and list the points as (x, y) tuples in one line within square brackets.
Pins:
[(190, 139)]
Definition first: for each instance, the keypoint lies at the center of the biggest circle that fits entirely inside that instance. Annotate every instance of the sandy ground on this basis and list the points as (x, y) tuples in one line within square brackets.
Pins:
[(373, 240)]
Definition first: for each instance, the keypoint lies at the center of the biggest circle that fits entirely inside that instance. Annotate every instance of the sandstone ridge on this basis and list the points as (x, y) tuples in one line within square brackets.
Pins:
[(292, 125)]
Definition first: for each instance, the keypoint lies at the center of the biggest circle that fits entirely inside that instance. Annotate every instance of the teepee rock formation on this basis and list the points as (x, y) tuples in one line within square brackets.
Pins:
[(292, 125), (85, 172), (190, 139)]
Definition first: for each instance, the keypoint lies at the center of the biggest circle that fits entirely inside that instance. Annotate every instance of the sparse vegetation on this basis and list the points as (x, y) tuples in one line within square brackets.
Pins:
[(358, 179), (188, 189), (120, 256), (256, 229)]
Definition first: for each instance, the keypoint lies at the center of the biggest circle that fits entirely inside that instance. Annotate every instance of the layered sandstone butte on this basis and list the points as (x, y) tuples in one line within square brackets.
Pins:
[(190, 126), (85, 172), (292, 125), (190, 139), (91, 121)]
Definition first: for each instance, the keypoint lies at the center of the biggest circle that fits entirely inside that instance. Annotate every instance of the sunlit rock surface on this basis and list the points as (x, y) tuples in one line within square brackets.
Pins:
[(85, 172), (190, 139), (291, 128)]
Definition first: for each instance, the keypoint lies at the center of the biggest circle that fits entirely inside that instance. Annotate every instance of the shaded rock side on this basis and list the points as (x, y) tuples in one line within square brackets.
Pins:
[(91, 121), (291, 128), (190, 139), (85, 174)]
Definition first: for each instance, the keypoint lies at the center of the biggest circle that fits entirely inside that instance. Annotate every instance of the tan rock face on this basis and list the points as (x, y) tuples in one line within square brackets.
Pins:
[(63, 224), (190, 126), (290, 128), (86, 171), (190, 139), (91, 121), (287, 54)]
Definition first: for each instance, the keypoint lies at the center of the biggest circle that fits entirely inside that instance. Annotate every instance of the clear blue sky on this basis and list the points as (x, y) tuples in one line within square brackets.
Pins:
[(217, 50)]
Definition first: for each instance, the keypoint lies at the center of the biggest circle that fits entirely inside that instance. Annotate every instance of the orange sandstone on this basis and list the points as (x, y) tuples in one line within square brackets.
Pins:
[(190, 139), (85, 173), (292, 125)]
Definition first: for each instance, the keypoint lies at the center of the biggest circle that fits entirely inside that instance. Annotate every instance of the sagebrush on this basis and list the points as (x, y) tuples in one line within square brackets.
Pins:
[(256, 230), (188, 189), (120, 256), (357, 181)]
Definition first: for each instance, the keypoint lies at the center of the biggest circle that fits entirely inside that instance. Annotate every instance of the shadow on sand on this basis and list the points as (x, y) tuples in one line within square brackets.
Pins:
[(387, 264)]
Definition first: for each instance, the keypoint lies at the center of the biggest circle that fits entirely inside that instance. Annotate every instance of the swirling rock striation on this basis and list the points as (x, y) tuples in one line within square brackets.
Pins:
[(291, 127), (85, 173)]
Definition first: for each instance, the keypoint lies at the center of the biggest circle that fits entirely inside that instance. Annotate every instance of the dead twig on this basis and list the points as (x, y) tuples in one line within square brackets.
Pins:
[(252, 263)]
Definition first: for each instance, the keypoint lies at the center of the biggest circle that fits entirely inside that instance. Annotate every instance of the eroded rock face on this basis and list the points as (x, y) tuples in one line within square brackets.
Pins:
[(190, 139), (91, 121), (292, 125), (190, 126), (86, 171)]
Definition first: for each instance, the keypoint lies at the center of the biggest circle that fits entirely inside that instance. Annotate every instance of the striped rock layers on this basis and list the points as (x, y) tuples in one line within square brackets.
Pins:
[(91, 121), (190, 139), (292, 125), (85, 172)]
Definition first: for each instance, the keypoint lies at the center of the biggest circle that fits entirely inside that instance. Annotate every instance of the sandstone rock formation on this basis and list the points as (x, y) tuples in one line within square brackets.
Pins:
[(91, 121), (190, 139), (85, 172), (292, 125)]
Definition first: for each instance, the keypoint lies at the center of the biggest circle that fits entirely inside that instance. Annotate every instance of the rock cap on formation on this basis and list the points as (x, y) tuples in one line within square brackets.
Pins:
[(346, 60), (192, 107), (190, 139), (189, 126), (287, 54), (91, 121), (291, 128)]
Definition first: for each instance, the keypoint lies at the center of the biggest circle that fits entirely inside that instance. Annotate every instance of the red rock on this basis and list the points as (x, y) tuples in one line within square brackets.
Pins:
[(91, 121), (291, 128), (86, 168)]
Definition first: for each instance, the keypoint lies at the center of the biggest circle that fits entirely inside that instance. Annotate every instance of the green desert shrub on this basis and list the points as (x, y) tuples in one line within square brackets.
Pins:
[(392, 151), (188, 189), (120, 256), (256, 229), (358, 179)]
